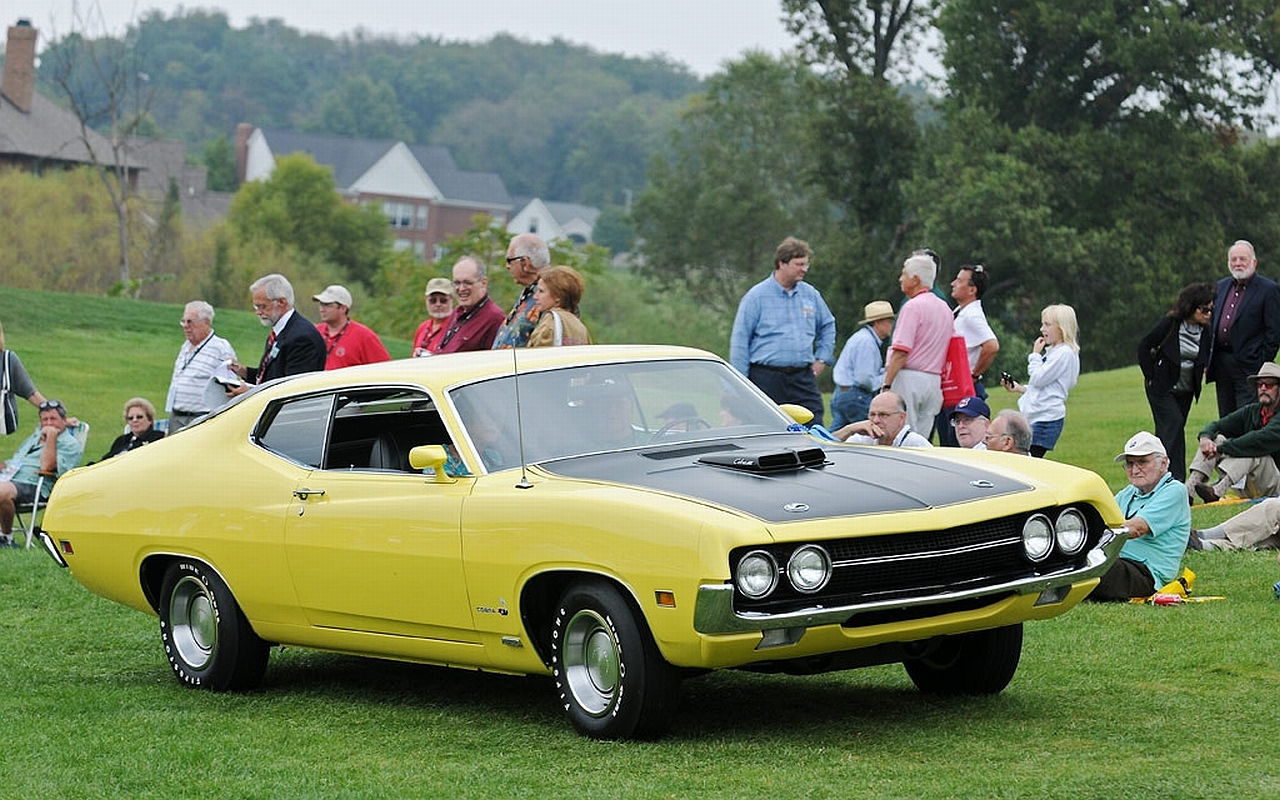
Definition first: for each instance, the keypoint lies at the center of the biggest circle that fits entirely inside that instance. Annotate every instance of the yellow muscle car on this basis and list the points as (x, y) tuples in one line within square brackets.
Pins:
[(618, 518)]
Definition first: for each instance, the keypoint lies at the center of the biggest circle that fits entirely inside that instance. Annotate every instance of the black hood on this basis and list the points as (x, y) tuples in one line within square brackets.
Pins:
[(744, 473)]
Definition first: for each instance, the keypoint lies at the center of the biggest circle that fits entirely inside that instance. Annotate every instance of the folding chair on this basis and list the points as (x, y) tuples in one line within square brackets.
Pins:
[(32, 509)]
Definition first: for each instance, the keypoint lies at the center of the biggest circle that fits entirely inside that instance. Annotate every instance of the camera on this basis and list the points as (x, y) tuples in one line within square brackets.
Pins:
[(1006, 378)]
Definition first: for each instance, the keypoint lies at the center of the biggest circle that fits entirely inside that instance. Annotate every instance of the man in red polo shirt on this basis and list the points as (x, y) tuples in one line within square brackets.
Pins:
[(346, 342)]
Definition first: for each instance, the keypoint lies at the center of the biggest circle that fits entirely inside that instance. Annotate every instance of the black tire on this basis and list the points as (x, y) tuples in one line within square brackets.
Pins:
[(982, 662), (206, 637), (610, 678)]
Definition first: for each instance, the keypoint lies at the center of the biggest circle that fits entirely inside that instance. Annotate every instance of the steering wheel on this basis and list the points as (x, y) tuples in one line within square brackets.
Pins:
[(689, 423)]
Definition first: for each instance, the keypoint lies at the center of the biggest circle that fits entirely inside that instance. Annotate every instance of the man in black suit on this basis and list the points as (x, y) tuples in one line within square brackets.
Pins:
[(1245, 329), (293, 346)]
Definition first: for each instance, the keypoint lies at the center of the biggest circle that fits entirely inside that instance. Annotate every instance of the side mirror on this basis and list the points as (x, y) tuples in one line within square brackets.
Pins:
[(799, 414), (433, 456)]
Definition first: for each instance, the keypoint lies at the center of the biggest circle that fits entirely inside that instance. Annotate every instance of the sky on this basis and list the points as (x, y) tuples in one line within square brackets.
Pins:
[(701, 34)]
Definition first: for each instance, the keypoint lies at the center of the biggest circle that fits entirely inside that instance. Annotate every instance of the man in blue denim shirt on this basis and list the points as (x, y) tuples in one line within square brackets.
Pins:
[(784, 335)]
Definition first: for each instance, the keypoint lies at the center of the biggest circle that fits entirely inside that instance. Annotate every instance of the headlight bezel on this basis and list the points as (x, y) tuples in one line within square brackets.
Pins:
[(801, 562), (742, 572)]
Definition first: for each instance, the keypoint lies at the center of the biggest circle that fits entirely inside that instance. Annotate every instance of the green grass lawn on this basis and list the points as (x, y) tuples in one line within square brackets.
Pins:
[(1110, 701)]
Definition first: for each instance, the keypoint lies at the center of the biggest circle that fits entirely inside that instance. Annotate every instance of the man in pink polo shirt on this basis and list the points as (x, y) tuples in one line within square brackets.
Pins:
[(913, 368)]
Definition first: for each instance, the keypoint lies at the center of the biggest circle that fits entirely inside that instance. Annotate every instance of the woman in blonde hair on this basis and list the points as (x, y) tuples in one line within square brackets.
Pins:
[(557, 297), (14, 383), (1053, 367)]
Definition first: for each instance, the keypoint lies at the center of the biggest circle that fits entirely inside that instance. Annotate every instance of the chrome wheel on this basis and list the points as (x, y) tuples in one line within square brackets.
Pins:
[(592, 662), (194, 621)]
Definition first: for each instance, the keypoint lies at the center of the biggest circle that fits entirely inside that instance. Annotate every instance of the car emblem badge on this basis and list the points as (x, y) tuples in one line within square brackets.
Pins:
[(796, 508), (982, 484)]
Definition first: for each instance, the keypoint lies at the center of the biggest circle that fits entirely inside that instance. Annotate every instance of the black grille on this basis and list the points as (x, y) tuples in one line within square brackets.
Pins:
[(909, 565)]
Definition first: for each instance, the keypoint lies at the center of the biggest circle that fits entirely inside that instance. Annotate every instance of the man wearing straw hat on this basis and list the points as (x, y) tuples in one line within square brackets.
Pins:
[(859, 371)]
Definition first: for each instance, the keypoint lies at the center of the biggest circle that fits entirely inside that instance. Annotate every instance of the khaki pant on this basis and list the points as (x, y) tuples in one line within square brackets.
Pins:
[(1250, 477), (1255, 528)]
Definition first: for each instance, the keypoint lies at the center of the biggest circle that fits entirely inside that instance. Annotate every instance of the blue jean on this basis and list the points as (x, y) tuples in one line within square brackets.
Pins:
[(848, 406), (1045, 434)]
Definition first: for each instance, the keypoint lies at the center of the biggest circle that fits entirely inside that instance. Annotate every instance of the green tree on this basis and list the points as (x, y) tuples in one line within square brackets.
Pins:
[(219, 159), (299, 208), (1059, 65), (737, 181), (363, 108)]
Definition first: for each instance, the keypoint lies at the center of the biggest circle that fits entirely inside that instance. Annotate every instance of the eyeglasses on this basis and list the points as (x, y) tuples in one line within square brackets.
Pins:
[(463, 284), (1269, 383), (185, 322), (261, 306), (962, 419), (328, 305), (135, 417), (48, 405), (514, 259), (437, 299), (1139, 463)]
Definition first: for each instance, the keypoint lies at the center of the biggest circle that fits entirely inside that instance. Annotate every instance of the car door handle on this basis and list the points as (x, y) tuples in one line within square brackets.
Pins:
[(303, 494)]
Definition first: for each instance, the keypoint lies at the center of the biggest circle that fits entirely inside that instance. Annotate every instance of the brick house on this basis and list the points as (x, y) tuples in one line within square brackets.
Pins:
[(424, 195)]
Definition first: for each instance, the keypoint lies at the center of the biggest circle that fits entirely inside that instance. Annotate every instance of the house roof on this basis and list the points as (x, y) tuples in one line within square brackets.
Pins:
[(351, 159), (48, 132)]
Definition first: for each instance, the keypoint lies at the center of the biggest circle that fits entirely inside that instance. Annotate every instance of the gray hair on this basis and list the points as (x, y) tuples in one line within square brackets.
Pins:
[(923, 268), (1016, 425), (276, 286), (481, 270), (201, 309), (532, 246)]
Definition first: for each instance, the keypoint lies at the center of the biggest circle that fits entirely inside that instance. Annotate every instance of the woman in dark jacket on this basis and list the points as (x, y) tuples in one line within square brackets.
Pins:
[(1172, 356), (140, 418)]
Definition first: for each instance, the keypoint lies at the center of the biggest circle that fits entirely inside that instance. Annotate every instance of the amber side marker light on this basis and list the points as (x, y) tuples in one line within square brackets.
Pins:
[(665, 599)]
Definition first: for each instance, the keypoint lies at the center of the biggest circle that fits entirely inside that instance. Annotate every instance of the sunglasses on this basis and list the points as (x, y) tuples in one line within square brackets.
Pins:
[(51, 404), (135, 417)]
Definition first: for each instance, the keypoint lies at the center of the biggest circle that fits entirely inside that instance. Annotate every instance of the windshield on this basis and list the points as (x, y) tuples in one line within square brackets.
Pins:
[(605, 407)]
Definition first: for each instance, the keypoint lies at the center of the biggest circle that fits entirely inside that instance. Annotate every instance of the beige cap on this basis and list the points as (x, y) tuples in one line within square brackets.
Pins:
[(1142, 444), (440, 286), (876, 310), (334, 294)]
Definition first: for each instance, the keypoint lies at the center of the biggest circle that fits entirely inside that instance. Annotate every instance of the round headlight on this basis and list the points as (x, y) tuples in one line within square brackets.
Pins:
[(809, 568), (1037, 537), (1071, 531), (757, 574)]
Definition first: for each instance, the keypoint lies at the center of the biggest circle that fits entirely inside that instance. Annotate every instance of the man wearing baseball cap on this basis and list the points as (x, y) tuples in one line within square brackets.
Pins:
[(1158, 517), (969, 419), (439, 299), (346, 342), (859, 371), (1243, 446)]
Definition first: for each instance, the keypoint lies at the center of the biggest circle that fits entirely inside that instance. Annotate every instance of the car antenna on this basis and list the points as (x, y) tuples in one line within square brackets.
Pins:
[(515, 375)]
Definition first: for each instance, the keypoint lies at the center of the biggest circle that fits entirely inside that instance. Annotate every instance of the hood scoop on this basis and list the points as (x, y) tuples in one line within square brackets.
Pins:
[(784, 460)]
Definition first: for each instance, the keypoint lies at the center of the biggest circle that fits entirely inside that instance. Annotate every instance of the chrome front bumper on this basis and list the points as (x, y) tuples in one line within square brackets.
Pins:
[(713, 613)]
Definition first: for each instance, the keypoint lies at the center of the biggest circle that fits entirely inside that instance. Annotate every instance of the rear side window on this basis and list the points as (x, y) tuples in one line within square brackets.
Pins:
[(299, 429)]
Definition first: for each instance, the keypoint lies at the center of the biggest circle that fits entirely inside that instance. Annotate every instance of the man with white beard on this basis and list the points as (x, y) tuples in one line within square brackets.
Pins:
[(1244, 332)]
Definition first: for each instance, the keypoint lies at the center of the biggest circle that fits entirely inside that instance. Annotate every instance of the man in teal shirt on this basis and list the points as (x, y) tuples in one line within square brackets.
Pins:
[(1158, 517), (34, 457)]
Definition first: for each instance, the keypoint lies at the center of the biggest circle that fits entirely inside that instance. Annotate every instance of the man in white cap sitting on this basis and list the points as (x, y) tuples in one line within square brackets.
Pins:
[(859, 372), (346, 342), (1158, 517), (1242, 446)]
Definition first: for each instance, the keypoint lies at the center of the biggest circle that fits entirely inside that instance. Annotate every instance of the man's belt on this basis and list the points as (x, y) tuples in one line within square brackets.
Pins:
[(783, 370), (182, 413)]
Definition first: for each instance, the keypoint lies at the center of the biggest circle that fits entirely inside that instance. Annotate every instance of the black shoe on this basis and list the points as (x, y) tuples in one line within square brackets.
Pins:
[(9, 541), (1207, 493)]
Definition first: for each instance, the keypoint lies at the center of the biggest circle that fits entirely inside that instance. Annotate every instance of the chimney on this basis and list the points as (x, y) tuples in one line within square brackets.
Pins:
[(19, 79), (243, 131)]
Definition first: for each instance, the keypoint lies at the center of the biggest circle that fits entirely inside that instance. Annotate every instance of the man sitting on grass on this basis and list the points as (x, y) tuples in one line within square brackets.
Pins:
[(1242, 446), (1158, 518)]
